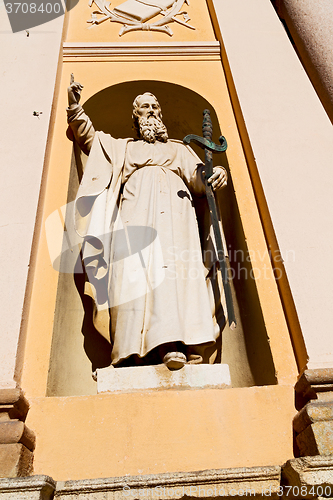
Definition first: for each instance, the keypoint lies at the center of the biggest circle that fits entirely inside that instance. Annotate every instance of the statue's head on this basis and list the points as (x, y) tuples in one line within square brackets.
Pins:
[(147, 117), (146, 104)]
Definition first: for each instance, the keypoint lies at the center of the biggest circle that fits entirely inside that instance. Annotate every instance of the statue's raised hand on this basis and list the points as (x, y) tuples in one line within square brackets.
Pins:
[(74, 91)]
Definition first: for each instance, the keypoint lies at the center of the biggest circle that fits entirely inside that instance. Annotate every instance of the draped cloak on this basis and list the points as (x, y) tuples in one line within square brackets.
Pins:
[(142, 251)]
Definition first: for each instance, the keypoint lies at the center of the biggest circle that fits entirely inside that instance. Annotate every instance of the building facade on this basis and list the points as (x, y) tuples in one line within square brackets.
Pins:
[(265, 72)]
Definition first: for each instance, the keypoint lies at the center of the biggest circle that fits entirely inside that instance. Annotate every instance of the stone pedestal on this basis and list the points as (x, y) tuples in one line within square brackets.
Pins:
[(313, 424), (17, 442), (142, 378)]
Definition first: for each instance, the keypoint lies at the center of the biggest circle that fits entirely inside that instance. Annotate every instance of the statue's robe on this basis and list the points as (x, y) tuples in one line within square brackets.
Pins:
[(142, 250)]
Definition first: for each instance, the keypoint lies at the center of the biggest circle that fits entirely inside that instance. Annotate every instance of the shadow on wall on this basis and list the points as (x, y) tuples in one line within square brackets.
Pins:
[(77, 348)]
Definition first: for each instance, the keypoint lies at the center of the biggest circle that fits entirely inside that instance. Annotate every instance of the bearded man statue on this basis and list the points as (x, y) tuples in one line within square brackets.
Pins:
[(153, 292)]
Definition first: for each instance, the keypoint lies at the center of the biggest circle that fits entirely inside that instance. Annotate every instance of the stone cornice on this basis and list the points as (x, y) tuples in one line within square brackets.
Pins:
[(204, 484), (151, 50)]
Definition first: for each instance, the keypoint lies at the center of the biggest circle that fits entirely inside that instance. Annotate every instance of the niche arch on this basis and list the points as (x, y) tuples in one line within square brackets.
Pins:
[(77, 349)]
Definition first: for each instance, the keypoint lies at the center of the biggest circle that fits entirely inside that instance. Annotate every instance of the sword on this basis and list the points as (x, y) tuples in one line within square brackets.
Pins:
[(210, 147)]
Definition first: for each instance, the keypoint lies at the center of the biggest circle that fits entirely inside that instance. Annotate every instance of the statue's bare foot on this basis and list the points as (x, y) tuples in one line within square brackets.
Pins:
[(174, 360), (195, 359)]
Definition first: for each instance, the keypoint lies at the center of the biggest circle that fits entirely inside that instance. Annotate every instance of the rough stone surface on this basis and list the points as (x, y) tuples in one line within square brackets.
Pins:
[(314, 422), (317, 439), (13, 402), (15, 460), (258, 482), (314, 384), (15, 431), (17, 442), (313, 474), (27, 488), (313, 412), (160, 377)]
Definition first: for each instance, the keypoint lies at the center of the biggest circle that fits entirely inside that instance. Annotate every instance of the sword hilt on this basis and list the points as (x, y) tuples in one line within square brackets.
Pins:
[(207, 126), (206, 142), (207, 132)]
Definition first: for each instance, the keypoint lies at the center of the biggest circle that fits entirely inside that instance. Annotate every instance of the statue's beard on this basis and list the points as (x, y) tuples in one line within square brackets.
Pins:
[(152, 129)]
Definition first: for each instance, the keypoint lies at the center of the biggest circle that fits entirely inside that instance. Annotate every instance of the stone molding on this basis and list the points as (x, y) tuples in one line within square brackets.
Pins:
[(306, 478), (313, 424), (15, 431), (13, 402), (151, 50), (27, 488), (207, 484), (313, 474), (17, 442), (314, 384)]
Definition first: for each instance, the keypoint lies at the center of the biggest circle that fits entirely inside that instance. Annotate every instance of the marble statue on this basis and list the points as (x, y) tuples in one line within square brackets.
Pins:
[(155, 296)]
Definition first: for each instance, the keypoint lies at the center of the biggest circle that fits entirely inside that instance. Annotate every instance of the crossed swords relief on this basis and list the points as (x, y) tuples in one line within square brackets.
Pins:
[(133, 22)]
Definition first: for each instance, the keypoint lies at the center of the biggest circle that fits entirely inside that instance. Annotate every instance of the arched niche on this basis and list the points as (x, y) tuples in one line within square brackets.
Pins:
[(77, 349)]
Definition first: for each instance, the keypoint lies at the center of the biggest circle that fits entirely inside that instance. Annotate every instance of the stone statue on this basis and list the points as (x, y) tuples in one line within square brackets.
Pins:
[(156, 298)]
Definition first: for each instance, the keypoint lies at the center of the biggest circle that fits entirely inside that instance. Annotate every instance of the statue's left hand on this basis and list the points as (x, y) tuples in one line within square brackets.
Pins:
[(219, 178)]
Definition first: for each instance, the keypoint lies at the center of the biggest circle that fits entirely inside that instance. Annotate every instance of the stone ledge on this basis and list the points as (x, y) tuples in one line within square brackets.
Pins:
[(314, 384), (311, 473), (316, 439), (311, 413), (204, 484), (17, 442), (27, 488), (139, 378), (15, 431), (313, 424), (13, 403)]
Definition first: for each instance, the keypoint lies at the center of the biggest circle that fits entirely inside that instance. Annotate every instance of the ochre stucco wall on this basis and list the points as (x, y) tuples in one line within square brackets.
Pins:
[(145, 433)]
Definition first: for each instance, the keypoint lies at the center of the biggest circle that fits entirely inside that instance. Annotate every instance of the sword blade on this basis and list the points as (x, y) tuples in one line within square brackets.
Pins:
[(206, 143), (213, 209)]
